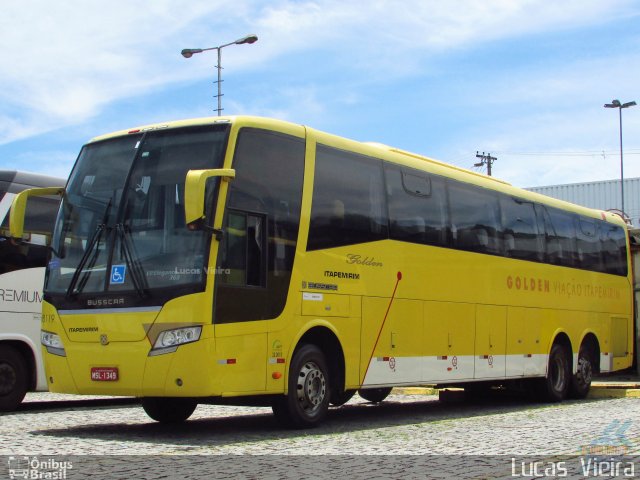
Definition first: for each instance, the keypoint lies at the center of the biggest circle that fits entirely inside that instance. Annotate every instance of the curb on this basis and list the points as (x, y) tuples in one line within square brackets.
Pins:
[(601, 391), (415, 391), (598, 390)]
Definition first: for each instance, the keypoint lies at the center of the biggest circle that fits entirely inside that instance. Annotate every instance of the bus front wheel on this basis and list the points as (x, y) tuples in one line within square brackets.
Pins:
[(168, 409), (307, 401), (13, 378)]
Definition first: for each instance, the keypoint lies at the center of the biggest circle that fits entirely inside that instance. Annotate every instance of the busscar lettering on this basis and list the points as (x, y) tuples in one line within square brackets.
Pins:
[(346, 275), (104, 302)]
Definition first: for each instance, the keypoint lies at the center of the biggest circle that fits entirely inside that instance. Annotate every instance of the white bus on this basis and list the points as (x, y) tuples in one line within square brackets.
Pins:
[(21, 278)]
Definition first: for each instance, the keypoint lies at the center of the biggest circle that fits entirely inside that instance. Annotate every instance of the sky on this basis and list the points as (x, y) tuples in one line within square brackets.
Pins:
[(524, 80)]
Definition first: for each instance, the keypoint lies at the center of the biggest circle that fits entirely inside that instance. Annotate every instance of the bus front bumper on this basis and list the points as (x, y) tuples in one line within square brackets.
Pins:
[(127, 369)]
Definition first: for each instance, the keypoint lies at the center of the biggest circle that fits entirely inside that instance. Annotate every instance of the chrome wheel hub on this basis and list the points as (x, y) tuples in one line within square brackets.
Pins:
[(585, 372), (311, 387)]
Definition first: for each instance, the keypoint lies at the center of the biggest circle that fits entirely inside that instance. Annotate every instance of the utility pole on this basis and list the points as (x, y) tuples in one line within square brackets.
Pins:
[(189, 52), (620, 106), (485, 160)]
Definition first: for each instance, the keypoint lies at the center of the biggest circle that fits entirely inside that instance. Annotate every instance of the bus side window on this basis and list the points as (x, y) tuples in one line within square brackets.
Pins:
[(561, 238), (614, 249), (349, 203), (520, 229), (588, 244), (255, 258), (474, 218), (551, 245), (244, 250), (417, 206)]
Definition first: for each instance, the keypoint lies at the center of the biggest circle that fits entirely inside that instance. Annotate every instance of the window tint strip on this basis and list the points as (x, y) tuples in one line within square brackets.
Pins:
[(348, 208)]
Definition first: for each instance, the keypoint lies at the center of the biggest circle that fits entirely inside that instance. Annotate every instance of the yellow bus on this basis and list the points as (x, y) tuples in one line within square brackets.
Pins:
[(243, 260)]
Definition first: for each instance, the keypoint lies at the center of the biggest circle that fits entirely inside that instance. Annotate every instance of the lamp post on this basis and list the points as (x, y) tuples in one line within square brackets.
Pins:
[(620, 106), (188, 53)]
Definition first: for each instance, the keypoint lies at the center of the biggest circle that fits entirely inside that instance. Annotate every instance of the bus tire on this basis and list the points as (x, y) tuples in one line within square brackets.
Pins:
[(555, 386), (581, 380), (307, 403), (339, 399), (375, 395), (13, 378), (169, 409)]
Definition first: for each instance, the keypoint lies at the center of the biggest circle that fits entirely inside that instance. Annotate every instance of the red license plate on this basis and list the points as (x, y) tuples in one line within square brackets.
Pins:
[(104, 374)]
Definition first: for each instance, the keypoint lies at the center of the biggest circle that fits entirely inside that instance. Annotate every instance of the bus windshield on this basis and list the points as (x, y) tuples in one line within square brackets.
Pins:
[(121, 228)]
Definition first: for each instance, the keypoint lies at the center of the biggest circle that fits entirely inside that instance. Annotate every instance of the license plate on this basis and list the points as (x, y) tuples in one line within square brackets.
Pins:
[(104, 374)]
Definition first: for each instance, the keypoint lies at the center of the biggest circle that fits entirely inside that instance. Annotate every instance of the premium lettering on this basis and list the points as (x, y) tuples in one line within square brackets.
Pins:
[(28, 296)]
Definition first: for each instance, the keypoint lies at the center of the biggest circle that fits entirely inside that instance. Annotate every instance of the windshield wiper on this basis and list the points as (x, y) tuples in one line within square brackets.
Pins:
[(92, 244), (131, 258), (93, 241)]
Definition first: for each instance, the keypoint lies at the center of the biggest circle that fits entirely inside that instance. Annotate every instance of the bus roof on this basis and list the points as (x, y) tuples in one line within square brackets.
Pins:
[(389, 153), (21, 180)]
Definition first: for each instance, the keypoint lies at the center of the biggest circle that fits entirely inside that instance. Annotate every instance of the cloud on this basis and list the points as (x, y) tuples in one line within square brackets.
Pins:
[(63, 63), (393, 38), (527, 112)]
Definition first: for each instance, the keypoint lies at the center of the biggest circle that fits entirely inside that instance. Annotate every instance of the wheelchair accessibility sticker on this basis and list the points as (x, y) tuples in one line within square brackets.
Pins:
[(118, 273)]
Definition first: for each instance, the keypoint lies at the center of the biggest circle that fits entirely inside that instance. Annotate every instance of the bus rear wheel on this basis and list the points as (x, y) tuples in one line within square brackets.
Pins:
[(339, 399), (169, 409), (375, 395), (581, 380), (555, 386), (307, 402), (13, 378)]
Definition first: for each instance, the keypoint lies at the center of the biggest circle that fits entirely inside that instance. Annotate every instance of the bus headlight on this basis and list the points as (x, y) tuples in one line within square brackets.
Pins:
[(169, 340), (53, 343)]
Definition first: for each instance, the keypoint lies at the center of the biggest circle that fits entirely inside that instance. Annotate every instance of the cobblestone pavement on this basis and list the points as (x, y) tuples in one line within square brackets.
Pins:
[(402, 425)]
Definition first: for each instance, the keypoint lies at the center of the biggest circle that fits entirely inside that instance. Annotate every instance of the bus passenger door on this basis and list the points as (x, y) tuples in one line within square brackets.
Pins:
[(256, 253), (491, 339)]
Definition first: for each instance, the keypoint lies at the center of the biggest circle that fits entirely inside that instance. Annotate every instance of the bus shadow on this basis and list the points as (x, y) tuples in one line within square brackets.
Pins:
[(261, 426), (41, 406)]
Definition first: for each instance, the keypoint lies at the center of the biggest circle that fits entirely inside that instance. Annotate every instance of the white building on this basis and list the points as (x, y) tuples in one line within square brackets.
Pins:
[(602, 195)]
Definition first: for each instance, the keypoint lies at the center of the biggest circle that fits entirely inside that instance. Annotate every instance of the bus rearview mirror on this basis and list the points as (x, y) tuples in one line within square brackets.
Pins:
[(19, 208), (194, 191)]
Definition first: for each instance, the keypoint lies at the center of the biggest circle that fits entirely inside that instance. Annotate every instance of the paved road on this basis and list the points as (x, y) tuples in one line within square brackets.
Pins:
[(360, 432)]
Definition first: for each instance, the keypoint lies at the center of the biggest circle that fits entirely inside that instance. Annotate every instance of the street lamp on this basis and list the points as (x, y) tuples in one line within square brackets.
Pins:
[(188, 53), (620, 106)]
